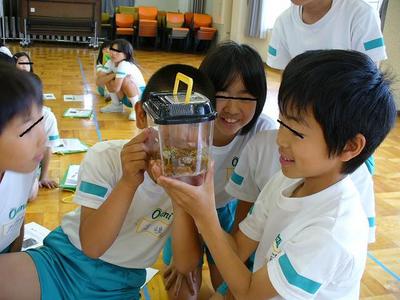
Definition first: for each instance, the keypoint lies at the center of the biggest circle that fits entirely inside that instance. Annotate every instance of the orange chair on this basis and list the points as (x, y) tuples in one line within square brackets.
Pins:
[(147, 24), (202, 30), (175, 31), (124, 25), (189, 19)]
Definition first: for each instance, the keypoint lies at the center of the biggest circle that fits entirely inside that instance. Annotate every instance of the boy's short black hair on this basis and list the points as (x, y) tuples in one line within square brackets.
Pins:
[(20, 90), (163, 80), (229, 61), (347, 94)]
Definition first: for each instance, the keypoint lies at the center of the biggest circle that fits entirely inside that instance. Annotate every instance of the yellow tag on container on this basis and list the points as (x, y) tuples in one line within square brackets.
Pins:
[(185, 79)]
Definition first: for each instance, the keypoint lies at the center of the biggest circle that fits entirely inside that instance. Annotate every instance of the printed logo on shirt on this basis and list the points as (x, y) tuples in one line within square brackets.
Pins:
[(16, 211), (235, 161), (156, 223), (159, 213), (275, 250)]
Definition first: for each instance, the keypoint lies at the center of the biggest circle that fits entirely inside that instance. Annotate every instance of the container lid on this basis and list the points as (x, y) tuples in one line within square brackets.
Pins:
[(167, 108)]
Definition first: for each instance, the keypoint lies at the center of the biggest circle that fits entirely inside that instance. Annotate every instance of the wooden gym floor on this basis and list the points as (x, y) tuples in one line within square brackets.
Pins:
[(70, 70)]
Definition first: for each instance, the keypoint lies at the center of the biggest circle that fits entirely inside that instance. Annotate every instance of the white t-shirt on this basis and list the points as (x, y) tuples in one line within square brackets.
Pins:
[(50, 127), (348, 25), (259, 161), (315, 247), (364, 183), (15, 189), (147, 224), (124, 69), (5, 50), (226, 158)]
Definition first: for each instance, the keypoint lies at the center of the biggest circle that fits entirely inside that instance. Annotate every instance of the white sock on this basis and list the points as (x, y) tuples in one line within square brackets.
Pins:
[(133, 100), (114, 98)]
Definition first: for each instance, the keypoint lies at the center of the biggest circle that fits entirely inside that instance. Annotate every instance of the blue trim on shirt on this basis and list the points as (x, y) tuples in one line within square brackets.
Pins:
[(236, 178), (93, 189), (120, 73), (370, 163), (371, 222), (272, 50), (372, 44), (53, 137), (307, 285)]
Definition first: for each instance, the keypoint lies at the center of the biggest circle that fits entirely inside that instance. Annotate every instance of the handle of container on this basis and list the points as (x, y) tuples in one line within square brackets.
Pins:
[(185, 79)]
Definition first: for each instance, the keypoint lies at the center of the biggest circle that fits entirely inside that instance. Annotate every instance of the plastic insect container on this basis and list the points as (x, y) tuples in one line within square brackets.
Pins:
[(185, 127)]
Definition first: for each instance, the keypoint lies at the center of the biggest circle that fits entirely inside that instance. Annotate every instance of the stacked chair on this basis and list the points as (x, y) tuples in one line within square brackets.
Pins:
[(202, 30), (124, 24), (193, 31), (148, 25), (175, 30), (106, 26)]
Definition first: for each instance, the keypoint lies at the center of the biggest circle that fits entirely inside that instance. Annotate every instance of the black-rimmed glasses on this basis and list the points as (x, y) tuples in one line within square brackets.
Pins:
[(235, 98), (30, 127), (291, 129), (115, 50)]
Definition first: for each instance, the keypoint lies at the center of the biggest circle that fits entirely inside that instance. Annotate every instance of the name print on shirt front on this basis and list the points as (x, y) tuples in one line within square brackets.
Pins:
[(16, 218), (15, 211), (156, 223)]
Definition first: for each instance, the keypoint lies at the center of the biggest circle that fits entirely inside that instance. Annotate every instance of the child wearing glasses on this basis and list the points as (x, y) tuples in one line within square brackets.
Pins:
[(122, 78), (22, 144), (308, 226), (238, 75), (24, 63)]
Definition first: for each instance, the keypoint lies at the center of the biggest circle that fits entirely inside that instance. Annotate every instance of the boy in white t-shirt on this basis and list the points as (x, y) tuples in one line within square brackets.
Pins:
[(260, 160), (101, 249), (308, 226), (22, 143), (326, 24)]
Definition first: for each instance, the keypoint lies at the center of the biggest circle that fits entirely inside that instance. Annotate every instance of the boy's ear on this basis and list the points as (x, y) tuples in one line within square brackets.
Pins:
[(353, 147), (141, 119)]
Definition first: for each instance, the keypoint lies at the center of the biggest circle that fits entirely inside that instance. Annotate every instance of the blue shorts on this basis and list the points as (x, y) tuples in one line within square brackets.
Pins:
[(126, 101), (66, 273), (101, 91), (6, 249), (226, 216)]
